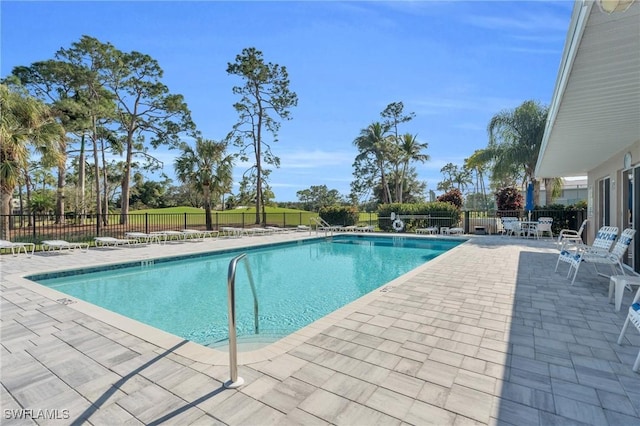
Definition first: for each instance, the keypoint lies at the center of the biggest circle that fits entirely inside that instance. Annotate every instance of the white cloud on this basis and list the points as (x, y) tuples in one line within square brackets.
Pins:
[(315, 159), (442, 105)]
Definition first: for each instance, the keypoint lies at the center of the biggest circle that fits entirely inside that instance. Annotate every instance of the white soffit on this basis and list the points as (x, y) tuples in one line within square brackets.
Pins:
[(598, 113)]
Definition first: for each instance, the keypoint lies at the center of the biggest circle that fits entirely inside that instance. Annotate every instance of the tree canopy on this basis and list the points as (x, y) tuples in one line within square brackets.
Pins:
[(264, 97)]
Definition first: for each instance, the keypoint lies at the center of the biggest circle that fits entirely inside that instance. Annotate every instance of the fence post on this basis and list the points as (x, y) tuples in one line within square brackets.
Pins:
[(146, 223), (35, 224), (284, 220), (185, 220), (466, 221)]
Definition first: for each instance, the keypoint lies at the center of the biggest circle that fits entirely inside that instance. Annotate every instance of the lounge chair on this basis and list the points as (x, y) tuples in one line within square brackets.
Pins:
[(333, 228), (52, 245), (4, 244), (146, 238), (276, 229), (114, 242), (603, 242), (231, 231), (597, 256), (430, 230), (169, 235), (256, 231), (366, 228), (197, 234), (302, 228)]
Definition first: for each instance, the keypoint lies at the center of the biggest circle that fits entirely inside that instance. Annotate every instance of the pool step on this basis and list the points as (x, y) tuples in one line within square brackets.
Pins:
[(249, 343)]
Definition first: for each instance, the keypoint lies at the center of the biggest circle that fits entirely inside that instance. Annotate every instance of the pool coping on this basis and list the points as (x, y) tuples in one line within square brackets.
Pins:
[(212, 356)]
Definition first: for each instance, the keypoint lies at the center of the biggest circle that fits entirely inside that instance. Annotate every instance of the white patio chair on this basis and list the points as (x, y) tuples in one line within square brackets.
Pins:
[(20, 246), (430, 230), (276, 229), (603, 242), (146, 238), (516, 229), (634, 318), (197, 234), (598, 256), (113, 242), (52, 245), (232, 231), (571, 236), (544, 225), (508, 223)]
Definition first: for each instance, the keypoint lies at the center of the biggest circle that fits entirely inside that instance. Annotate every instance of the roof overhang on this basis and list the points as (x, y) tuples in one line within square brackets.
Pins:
[(595, 110)]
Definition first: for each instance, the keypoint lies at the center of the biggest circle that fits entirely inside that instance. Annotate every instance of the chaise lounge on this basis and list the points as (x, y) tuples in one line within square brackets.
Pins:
[(114, 242), (4, 244), (52, 245)]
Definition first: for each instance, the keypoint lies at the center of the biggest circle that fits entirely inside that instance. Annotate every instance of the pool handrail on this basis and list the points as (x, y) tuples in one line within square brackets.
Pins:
[(235, 381)]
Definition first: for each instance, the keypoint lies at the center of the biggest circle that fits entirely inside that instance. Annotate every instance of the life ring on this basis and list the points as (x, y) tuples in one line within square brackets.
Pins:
[(398, 225)]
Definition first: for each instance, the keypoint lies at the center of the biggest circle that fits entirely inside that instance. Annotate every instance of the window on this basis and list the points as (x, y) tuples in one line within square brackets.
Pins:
[(604, 202)]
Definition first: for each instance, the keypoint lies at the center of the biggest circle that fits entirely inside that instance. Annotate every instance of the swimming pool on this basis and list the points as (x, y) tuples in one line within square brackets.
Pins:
[(297, 283)]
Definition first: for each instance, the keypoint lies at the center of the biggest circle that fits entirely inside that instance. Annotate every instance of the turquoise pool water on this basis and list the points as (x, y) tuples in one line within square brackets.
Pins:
[(297, 283)]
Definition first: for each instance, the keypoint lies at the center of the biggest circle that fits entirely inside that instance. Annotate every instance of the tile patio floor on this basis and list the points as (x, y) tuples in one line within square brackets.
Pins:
[(485, 334)]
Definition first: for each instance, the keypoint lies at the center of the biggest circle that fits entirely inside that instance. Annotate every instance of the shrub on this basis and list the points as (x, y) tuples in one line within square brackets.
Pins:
[(453, 196), (340, 215), (509, 198), (437, 214)]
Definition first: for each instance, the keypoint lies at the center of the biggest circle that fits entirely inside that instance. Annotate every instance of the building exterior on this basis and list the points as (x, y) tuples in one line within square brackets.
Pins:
[(574, 190), (593, 127)]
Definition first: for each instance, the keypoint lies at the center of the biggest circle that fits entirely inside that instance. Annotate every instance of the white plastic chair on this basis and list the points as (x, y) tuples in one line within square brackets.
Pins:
[(634, 318), (544, 225), (51, 245), (571, 236), (508, 224), (20, 246), (595, 257), (600, 247)]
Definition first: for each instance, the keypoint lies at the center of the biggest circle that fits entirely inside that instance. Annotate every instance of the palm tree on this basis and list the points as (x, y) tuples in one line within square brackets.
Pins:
[(462, 178), (515, 137), (25, 122), (553, 189), (410, 150), (206, 168), (479, 163), (374, 145)]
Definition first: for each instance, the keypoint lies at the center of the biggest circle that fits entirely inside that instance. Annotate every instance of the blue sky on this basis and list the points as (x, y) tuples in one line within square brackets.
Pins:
[(455, 64)]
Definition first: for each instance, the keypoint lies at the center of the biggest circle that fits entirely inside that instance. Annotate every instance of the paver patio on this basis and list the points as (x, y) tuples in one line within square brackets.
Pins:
[(484, 334)]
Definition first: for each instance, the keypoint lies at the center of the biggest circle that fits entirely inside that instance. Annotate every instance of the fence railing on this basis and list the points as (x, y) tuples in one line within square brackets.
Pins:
[(36, 228)]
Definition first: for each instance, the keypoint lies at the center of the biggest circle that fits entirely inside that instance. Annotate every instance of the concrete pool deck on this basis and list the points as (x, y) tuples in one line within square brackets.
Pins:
[(484, 334)]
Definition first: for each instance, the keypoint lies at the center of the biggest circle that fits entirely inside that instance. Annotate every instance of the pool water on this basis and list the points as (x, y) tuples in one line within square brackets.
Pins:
[(297, 283)]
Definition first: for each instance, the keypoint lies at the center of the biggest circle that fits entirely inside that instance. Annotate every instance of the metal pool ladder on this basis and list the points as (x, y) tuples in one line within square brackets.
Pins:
[(235, 381)]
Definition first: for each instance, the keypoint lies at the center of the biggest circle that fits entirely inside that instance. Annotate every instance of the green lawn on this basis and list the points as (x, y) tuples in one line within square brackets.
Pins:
[(246, 215), (194, 217)]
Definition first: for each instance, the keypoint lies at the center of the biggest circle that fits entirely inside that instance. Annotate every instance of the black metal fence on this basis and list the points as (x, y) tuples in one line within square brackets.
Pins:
[(36, 228)]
